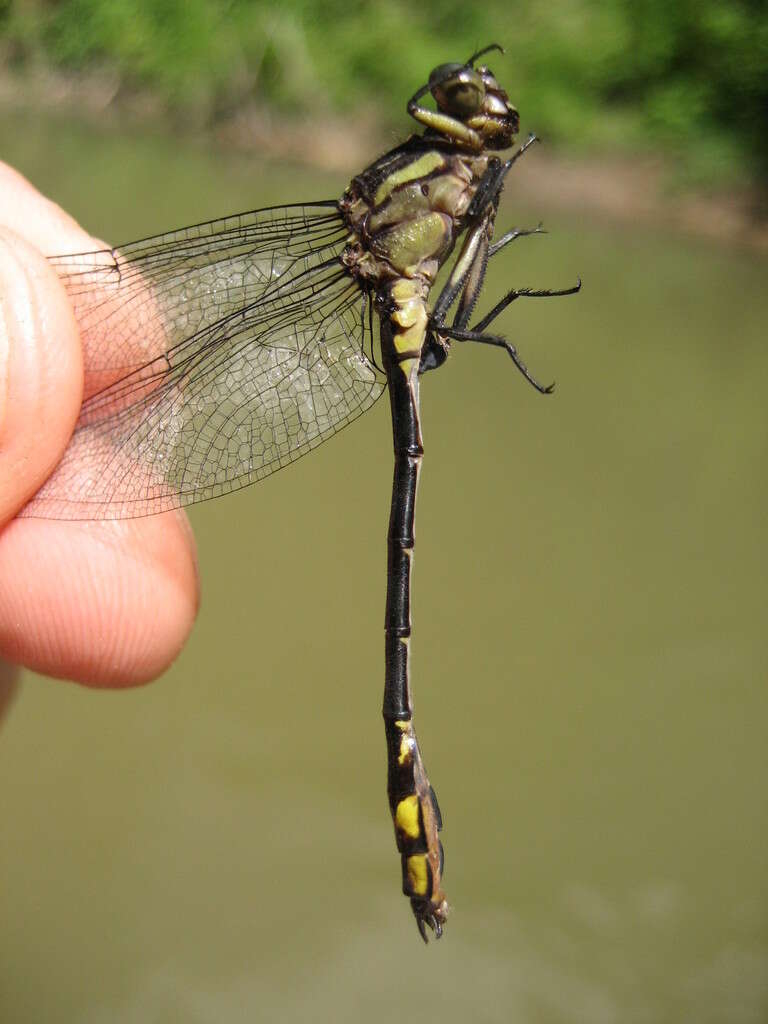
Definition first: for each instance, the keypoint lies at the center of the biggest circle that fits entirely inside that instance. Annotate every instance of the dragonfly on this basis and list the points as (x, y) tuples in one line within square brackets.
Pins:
[(219, 353)]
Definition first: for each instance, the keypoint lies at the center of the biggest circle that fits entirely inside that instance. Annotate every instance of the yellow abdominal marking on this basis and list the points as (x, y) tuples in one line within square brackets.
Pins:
[(410, 320), (403, 290), (406, 746), (406, 740), (416, 868), (407, 817), (409, 313), (410, 339), (417, 169)]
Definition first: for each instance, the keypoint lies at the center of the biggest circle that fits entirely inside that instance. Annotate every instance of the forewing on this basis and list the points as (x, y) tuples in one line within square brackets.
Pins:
[(217, 355), (144, 299)]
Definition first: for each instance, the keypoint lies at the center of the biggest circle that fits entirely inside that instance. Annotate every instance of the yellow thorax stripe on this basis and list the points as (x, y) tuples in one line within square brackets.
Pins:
[(417, 169)]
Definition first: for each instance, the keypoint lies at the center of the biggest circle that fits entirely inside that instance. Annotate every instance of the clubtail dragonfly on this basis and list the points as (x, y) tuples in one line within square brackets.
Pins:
[(218, 353)]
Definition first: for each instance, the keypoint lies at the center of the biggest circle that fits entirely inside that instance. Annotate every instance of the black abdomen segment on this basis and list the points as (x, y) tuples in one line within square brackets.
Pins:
[(412, 800)]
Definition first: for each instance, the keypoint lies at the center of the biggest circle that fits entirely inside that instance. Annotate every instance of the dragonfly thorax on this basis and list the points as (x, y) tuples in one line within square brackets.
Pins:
[(406, 210)]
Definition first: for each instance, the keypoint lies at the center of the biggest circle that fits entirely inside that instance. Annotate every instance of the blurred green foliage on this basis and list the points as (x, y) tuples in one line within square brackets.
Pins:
[(689, 77)]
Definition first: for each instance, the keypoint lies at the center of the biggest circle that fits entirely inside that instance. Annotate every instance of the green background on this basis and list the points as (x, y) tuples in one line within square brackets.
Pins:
[(688, 79)]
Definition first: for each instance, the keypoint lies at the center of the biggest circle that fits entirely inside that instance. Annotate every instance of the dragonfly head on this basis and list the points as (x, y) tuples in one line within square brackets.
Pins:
[(472, 95)]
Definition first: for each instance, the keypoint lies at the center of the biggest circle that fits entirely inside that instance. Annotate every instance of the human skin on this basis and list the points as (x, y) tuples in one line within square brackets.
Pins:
[(107, 604)]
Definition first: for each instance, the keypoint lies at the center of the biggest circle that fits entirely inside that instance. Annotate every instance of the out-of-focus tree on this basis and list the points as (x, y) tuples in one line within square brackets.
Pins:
[(689, 77)]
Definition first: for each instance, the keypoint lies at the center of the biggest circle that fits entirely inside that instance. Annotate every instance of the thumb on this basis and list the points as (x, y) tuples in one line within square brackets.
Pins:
[(41, 372)]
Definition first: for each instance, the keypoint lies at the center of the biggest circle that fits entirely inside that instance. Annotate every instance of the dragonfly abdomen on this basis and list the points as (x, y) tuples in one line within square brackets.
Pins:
[(412, 801), (416, 816)]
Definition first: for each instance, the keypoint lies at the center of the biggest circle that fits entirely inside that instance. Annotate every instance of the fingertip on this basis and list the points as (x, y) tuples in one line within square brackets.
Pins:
[(106, 604), (38, 219), (41, 371)]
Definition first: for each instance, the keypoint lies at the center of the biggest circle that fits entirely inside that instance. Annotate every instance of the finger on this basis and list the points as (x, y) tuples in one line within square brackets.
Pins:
[(106, 604), (41, 222), (103, 603), (41, 372)]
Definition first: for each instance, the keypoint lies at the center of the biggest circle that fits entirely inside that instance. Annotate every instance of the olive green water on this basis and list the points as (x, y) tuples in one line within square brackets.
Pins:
[(590, 662)]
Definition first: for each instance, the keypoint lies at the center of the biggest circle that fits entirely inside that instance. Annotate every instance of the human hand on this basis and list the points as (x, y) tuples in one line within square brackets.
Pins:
[(107, 604)]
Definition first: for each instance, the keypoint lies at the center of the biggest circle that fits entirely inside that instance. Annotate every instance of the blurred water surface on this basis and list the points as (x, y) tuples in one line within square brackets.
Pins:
[(590, 663)]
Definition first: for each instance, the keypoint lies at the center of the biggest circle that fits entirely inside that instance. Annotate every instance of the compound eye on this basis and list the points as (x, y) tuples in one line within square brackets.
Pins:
[(457, 89)]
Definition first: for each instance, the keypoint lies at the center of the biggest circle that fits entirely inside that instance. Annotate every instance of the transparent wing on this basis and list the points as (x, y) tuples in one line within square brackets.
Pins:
[(215, 355)]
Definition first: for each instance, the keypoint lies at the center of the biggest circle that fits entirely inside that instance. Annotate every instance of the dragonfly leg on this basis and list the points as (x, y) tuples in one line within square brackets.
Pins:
[(474, 278), (498, 341), (440, 121), (510, 236), (468, 271), (460, 93), (492, 182), (465, 278), (524, 293), (459, 332)]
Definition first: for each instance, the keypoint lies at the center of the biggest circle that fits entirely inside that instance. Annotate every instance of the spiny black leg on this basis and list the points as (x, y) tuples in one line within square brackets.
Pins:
[(492, 182), (512, 235), (473, 283), (495, 339), (468, 272), (519, 152), (524, 293), (488, 188), (475, 247)]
